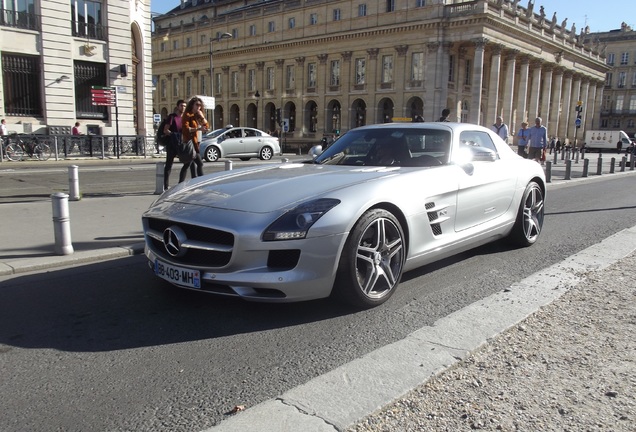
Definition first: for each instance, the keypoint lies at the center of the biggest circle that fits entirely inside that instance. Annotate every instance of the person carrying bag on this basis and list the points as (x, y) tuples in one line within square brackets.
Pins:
[(193, 122)]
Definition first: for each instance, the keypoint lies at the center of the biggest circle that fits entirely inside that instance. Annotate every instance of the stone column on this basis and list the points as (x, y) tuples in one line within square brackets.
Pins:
[(321, 83), (477, 81), (432, 109), (346, 85), (545, 96), (555, 102), (507, 107), (522, 92), (533, 110), (566, 97), (400, 76), (372, 88), (442, 76), (493, 85)]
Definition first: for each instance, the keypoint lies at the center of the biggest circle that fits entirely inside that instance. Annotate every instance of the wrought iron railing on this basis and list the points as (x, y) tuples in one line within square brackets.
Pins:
[(18, 19)]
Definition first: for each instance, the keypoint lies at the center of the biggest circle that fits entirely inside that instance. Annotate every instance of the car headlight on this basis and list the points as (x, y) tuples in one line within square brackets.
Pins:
[(295, 223)]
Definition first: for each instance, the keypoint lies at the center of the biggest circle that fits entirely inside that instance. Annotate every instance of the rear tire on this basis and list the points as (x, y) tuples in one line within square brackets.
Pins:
[(529, 223), (14, 152), (42, 151), (372, 260), (266, 153)]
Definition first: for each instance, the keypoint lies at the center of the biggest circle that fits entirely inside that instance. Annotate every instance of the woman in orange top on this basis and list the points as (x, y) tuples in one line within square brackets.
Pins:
[(193, 121)]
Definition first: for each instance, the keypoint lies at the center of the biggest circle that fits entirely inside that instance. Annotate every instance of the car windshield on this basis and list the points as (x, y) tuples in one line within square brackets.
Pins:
[(407, 147)]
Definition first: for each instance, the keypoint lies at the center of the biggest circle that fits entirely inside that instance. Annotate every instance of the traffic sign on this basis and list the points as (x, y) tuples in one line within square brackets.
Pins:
[(577, 122), (156, 118), (285, 125), (103, 96)]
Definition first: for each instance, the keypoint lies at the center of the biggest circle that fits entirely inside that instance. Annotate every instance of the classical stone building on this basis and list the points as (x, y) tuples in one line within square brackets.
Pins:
[(618, 109), (334, 65), (53, 51)]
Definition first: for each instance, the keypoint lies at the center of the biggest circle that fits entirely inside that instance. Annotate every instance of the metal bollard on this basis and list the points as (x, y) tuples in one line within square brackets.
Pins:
[(555, 157), (568, 169), (548, 171), (61, 224), (612, 165), (576, 157), (73, 183), (228, 165), (586, 165), (623, 163), (599, 166), (631, 162), (159, 167)]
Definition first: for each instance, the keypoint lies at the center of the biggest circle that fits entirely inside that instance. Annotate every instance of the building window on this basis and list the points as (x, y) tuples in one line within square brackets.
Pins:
[(622, 79), (19, 14), (630, 123), (86, 19), (336, 14), (617, 124), (624, 58), (162, 47), (608, 79), (204, 40), (387, 69), (235, 33), (218, 83), (164, 89), (619, 103), (362, 10), (188, 42), (253, 30), (632, 104), (291, 23), (417, 66), (634, 80), (361, 70), (311, 75), (203, 87), (607, 101), (468, 78), (271, 26), (610, 59), (251, 80), (175, 87), (22, 85), (604, 123), (234, 82), (87, 75), (175, 45), (334, 76), (289, 77), (390, 5), (451, 69), (270, 78), (188, 86), (420, 3), (313, 19)]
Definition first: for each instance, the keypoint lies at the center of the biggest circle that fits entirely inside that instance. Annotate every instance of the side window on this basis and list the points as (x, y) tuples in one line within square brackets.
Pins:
[(249, 132), (477, 139)]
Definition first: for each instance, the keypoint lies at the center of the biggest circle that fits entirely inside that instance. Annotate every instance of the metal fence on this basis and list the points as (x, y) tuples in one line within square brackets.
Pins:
[(94, 146)]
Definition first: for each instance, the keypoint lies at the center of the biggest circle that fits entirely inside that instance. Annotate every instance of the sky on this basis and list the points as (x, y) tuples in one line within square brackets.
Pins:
[(600, 15)]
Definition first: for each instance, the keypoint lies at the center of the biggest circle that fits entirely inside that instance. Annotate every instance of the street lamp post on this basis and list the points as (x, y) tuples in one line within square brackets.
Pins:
[(257, 96), (221, 36)]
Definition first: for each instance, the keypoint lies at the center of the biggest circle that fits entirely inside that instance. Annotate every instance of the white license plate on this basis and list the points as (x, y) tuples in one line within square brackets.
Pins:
[(178, 275)]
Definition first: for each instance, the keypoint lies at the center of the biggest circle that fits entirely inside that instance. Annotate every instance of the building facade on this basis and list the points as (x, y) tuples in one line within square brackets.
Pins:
[(618, 109), (54, 52), (330, 66)]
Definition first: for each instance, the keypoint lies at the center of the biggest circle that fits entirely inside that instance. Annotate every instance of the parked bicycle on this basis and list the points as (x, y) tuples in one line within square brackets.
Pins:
[(17, 146)]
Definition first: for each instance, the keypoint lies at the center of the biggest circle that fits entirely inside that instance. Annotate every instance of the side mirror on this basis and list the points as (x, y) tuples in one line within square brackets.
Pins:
[(315, 151)]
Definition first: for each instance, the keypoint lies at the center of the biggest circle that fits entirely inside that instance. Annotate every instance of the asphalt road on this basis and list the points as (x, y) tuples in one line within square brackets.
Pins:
[(109, 347)]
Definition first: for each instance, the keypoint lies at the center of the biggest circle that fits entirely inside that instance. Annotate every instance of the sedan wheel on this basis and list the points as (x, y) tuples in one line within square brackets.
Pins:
[(529, 217), (211, 154), (372, 261), (266, 153)]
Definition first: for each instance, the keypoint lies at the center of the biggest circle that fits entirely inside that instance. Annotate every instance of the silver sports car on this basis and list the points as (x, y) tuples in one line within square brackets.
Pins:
[(382, 200)]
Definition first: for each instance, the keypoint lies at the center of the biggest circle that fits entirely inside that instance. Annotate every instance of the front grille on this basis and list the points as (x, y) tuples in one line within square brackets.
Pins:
[(193, 257)]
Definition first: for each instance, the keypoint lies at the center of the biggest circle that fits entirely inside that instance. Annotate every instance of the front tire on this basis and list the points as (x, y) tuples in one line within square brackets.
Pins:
[(211, 154), (372, 261), (529, 223)]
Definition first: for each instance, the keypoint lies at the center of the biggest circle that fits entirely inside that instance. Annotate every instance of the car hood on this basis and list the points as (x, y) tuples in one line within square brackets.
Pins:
[(271, 187)]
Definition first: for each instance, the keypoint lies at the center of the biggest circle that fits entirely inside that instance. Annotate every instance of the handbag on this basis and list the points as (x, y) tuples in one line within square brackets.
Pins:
[(185, 151)]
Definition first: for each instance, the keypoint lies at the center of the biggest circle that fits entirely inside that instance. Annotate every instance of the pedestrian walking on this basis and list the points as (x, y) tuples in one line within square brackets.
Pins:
[(523, 137), (193, 122), (538, 140), (171, 139), (445, 115), (500, 128)]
